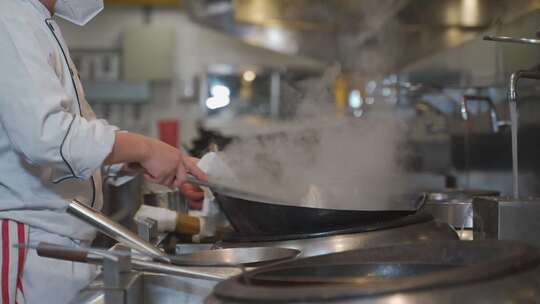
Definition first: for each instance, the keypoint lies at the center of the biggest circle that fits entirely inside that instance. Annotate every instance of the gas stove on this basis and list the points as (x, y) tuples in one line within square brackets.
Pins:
[(428, 272), (419, 227)]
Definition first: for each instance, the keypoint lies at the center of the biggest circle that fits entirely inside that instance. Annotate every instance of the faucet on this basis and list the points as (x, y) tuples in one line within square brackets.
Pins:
[(495, 122), (514, 79)]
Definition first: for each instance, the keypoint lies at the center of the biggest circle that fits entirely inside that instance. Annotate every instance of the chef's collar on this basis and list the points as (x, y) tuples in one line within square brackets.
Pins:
[(41, 8)]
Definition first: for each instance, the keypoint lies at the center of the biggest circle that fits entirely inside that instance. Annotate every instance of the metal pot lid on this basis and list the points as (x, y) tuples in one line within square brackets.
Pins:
[(459, 194), (380, 271)]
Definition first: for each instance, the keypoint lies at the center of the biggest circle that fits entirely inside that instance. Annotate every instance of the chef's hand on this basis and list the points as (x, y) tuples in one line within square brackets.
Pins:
[(162, 163), (193, 193), (165, 164)]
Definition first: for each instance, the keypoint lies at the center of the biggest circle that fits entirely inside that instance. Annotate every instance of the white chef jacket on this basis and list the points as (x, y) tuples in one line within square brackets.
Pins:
[(51, 145)]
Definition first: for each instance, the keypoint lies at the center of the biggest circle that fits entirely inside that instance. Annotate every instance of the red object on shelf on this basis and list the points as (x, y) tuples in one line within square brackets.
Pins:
[(168, 131)]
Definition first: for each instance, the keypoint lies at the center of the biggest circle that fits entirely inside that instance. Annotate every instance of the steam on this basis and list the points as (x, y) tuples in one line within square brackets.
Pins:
[(325, 161)]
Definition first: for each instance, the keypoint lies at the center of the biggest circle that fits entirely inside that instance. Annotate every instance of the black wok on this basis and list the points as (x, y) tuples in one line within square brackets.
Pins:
[(251, 214), (255, 218)]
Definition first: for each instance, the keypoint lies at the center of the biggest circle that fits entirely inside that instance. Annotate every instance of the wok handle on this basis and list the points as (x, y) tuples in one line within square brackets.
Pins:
[(186, 224), (61, 253), (80, 255)]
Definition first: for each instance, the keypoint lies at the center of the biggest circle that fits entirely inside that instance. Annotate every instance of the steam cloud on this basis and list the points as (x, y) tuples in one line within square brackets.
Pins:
[(326, 161)]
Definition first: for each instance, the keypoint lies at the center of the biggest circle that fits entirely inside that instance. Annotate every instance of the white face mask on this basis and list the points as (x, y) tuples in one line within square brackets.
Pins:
[(78, 11)]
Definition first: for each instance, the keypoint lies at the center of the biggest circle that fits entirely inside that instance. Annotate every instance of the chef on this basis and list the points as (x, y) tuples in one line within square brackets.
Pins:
[(52, 148)]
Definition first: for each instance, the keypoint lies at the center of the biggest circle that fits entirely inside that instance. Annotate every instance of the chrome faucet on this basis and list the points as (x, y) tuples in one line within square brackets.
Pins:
[(514, 79), (496, 123), (513, 99)]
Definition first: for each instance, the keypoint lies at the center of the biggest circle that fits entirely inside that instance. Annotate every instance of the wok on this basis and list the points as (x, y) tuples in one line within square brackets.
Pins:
[(251, 214), (257, 218)]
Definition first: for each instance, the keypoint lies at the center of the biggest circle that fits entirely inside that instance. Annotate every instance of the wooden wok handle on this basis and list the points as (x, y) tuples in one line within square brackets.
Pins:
[(61, 253), (186, 224)]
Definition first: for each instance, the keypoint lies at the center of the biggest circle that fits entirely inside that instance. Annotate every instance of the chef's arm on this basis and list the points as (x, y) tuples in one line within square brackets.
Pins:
[(163, 163), (36, 112), (128, 148)]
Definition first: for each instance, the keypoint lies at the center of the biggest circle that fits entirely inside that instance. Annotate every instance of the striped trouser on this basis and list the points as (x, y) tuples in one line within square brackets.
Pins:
[(12, 261)]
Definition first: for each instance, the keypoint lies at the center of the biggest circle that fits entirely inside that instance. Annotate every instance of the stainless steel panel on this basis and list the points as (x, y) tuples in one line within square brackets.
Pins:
[(457, 214), (507, 219), (154, 288)]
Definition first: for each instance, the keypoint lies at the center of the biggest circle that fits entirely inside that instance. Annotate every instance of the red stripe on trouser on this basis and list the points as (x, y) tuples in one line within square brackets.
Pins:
[(5, 261), (22, 253)]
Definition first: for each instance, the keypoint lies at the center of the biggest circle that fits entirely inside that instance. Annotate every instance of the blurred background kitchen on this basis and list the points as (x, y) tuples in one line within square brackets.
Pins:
[(236, 76), (200, 73)]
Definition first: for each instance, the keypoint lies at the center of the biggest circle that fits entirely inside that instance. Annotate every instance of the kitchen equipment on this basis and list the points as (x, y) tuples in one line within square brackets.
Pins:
[(454, 206), (170, 199), (112, 229), (254, 215), (174, 288), (232, 257), (496, 123), (229, 190), (505, 218), (513, 102), (240, 256), (513, 98), (122, 281), (418, 227), (428, 272), (254, 218), (95, 256), (152, 288)]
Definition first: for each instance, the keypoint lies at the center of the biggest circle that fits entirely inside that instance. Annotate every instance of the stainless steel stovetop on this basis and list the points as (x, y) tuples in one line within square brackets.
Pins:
[(428, 272), (160, 288)]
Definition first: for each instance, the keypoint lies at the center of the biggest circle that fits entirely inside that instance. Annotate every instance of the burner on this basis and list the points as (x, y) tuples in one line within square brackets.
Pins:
[(434, 272)]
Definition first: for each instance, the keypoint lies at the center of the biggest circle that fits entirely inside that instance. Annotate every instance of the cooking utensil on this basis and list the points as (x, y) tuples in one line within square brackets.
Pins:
[(256, 218), (89, 256), (228, 190), (112, 229), (231, 257), (255, 215), (219, 257)]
